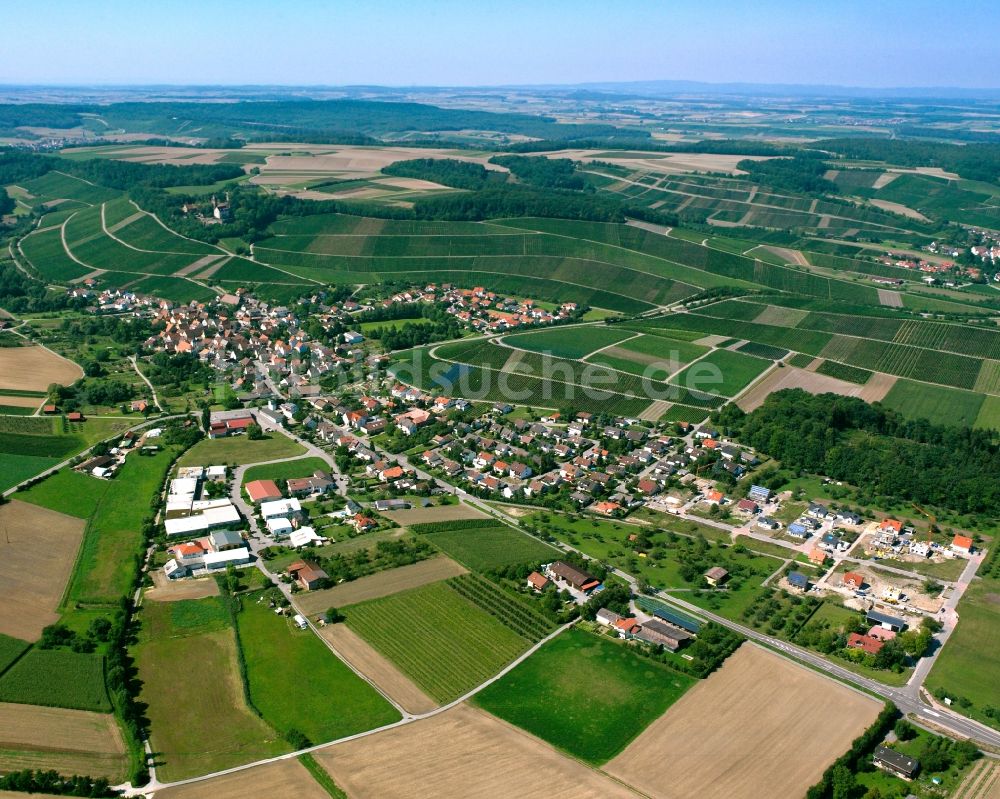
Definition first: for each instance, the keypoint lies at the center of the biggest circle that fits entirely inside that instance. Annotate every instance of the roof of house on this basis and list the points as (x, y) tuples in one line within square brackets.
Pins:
[(962, 541), (885, 618), (895, 759), (865, 642), (717, 573), (798, 579), (854, 577), (259, 490), (892, 524), (571, 574), (537, 580)]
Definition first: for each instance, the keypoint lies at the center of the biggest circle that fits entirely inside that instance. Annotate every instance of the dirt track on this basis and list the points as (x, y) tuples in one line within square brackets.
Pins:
[(462, 754), (732, 735), (37, 554)]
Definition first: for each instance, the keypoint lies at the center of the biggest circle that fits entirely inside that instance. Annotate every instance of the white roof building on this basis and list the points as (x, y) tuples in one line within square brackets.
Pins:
[(213, 517), (280, 507), (216, 472), (219, 560), (180, 486), (279, 526), (303, 536)]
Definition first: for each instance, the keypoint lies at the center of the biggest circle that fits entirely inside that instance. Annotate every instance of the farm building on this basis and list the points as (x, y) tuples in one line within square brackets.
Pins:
[(580, 580), (661, 634), (716, 575), (886, 621), (219, 560), (222, 515), (308, 575), (279, 527), (303, 537), (262, 491), (221, 540), (895, 762), (676, 619)]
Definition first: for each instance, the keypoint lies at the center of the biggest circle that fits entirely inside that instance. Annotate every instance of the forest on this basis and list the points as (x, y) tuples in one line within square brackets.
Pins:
[(973, 161), (873, 448), (802, 174), (542, 173)]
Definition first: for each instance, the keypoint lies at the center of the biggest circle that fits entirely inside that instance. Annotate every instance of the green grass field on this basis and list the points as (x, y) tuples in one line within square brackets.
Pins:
[(114, 532), (240, 449), (967, 667), (200, 723), (443, 642), (285, 471), (722, 372), (10, 650), (16, 468), (483, 549), (586, 695), (938, 404), (68, 492), (57, 678), (572, 343), (297, 683)]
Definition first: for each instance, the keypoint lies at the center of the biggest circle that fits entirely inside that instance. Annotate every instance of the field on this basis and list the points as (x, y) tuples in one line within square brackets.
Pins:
[(605, 692), (463, 752), (487, 548), (964, 668), (196, 730), (572, 343), (389, 680), (380, 584), (284, 471), (38, 549), (68, 741), (240, 449), (729, 736), (114, 531), (939, 405), (722, 372), (440, 640), (297, 683), (285, 779), (35, 369), (15, 468), (437, 513), (57, 678), (790, 377), (68, 492)]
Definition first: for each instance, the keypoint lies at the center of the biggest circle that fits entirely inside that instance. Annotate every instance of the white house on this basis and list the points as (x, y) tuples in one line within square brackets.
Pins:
[(219, 560), (279, 526), (280, 507), (304, 536)]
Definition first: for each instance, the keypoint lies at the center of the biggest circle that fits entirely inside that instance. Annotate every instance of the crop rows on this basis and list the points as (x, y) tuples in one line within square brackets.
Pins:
[(897, 359), (852, 374), (763, 350), (47, 255), (513, 613), (811, 342)]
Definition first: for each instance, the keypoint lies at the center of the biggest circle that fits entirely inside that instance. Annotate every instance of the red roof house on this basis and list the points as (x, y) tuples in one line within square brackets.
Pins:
[(262, 490)]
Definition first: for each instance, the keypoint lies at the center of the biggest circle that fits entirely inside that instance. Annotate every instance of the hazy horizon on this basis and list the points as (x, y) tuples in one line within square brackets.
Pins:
[(450, 44)]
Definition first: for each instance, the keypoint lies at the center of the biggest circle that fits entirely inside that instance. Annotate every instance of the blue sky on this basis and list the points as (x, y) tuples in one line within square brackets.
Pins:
[(446, 42)]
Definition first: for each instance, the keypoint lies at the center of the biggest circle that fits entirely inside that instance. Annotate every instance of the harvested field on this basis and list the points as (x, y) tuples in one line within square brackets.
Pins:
[(167, 590), (899, 208), (728, 736), (35, 369), (22, 402), (381, 584), (464, 752), (790, 256), (390, 680), (37, 555), (440, 513), (890, 299), (285, 779), (884, 180), (781, 317), (814, 383), (68, 741)]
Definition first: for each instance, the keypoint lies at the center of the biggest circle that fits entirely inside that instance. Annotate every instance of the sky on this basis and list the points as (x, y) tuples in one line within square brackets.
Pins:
[(877, 43)]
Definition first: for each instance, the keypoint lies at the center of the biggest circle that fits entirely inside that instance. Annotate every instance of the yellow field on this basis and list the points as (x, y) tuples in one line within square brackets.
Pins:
[(37, 553), (68, 741), (286, 779), (463, 753), (760, 726), (35, 369)]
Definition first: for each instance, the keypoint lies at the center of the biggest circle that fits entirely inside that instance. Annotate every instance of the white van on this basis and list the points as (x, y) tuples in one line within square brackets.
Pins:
[(300, 622)]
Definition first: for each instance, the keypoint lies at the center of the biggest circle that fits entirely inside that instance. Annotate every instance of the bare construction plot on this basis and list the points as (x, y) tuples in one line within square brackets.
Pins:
[(34, 368), (729, 736), (461, 753), (167, 590), (384, 583), (37, 554), (284, 779), (68, 741), (438, 513), (390, 680)]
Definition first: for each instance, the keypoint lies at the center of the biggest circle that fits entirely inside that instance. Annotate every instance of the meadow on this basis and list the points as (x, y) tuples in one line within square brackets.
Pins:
[(487, 548), (285, 471), (572, 343), (724, 372), (197, 731), (443, 642), (68, 492), (605, 693), (331, 703), (240, 450)]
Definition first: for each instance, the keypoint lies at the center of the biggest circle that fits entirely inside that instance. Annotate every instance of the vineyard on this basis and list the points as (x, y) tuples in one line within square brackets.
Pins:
[(852, 374), (514, 613), (442, 641)]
